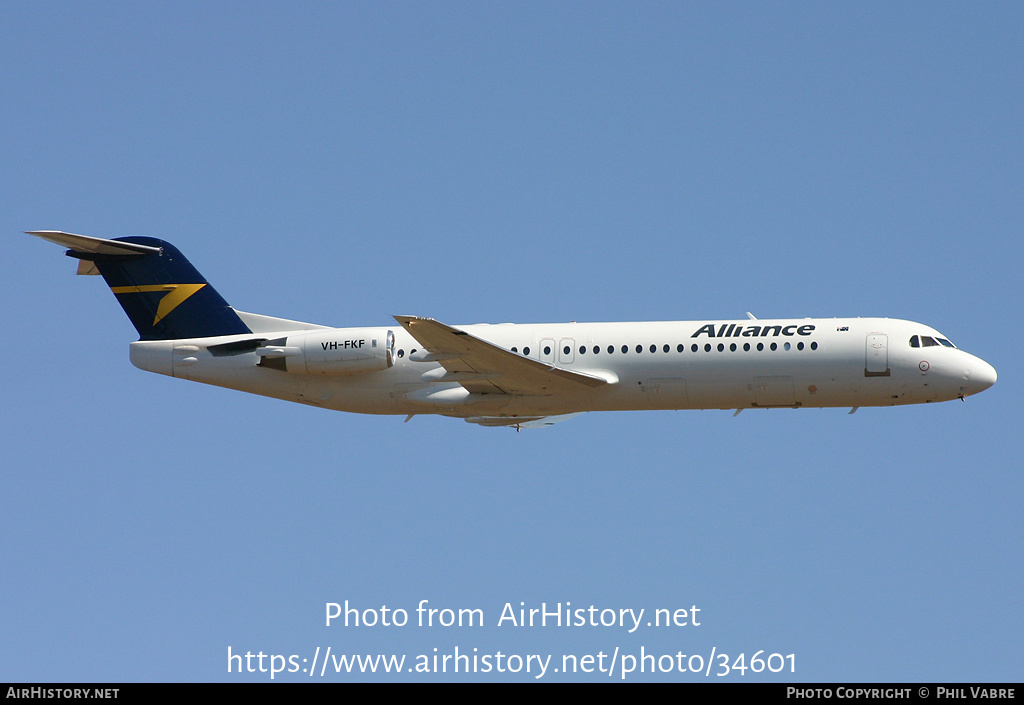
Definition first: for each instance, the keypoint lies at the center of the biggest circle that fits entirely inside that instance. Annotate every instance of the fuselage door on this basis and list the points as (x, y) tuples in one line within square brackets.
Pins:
[(547, 350), (566, 351), (876, 356), (774, 391)]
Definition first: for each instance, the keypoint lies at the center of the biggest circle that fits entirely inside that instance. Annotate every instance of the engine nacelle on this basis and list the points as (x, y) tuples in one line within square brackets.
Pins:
[(338, 351)]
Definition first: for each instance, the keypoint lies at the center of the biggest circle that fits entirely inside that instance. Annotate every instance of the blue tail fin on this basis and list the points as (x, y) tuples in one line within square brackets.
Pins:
[(165, 297)]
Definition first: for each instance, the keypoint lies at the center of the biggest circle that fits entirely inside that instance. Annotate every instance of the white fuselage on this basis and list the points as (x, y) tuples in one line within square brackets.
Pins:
[(739, 364)]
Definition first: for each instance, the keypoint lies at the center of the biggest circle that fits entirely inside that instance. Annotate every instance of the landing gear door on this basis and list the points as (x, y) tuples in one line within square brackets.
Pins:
[(876, 356)]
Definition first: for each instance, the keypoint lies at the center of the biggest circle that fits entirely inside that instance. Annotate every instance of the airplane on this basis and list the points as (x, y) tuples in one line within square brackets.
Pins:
[(516, 375)]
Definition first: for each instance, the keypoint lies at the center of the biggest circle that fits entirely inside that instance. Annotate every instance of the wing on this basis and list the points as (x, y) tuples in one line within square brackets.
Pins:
[(485, 368), (521, 421)]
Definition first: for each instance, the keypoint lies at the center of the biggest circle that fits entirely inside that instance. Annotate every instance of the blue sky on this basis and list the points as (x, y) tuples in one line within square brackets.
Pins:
[(483, 162)]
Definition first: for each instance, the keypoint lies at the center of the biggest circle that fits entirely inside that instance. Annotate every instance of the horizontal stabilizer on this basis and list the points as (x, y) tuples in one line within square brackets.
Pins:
[(93, 245)]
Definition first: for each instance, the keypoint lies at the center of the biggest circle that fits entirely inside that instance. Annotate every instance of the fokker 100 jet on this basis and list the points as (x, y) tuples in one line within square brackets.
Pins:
[(518, 375)]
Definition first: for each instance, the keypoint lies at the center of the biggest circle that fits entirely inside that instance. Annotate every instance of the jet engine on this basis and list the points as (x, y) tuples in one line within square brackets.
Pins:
[(338, 351)]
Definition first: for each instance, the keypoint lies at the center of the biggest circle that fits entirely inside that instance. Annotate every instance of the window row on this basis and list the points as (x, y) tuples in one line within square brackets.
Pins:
[(708, 347)]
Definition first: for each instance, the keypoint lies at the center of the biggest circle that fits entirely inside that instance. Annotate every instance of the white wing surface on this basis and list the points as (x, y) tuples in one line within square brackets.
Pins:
[(485, 368)]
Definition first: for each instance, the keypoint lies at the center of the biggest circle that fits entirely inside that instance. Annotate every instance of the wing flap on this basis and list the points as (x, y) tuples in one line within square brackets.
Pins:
[(485, 368)]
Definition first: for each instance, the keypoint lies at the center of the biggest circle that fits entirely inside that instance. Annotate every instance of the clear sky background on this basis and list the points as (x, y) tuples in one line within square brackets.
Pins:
[(522, 162)]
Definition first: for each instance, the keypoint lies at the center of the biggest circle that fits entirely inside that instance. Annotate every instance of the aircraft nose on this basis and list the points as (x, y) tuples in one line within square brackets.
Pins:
[(981, 376)]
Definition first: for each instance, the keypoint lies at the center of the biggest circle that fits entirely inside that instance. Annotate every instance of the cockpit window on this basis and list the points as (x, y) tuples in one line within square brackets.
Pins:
[(927, 341)]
